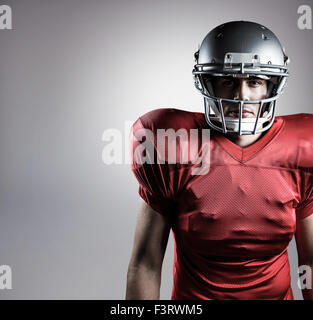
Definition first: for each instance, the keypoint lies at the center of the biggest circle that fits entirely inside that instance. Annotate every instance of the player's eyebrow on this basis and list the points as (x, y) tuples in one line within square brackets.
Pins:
[(254, 78)]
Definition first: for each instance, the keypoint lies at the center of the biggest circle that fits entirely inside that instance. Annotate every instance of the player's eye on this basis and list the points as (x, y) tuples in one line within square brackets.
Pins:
[(227, 83), (255, 83)]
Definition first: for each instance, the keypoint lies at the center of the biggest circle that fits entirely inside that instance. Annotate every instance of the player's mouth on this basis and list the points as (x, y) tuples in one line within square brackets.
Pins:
[(245, 114)]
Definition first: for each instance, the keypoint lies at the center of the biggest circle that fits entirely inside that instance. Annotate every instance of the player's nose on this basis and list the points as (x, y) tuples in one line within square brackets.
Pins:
[(241, 91)]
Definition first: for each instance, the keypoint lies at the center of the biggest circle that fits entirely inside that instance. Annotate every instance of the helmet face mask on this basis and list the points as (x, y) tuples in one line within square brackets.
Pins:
[(240, 50)]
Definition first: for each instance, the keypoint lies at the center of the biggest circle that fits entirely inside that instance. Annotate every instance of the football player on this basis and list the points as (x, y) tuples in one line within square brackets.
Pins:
[(232, 224)]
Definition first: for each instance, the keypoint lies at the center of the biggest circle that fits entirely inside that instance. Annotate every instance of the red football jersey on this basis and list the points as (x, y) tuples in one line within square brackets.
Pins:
[(233, 223)]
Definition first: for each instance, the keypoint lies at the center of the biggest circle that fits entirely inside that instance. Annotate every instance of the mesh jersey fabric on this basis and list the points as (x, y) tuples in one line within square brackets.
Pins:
[(231, 225)]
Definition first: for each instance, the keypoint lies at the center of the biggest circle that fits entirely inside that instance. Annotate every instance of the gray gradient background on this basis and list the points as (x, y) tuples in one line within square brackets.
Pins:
[(72, 69)]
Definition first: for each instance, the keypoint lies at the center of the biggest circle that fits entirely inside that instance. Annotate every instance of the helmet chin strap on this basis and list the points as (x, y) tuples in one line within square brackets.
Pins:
[(247, 124)]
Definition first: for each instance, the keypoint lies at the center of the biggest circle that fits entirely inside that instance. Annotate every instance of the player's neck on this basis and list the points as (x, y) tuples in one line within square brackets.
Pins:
[(244, 141)]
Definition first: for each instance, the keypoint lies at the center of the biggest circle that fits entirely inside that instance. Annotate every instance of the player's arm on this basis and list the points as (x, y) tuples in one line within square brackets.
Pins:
[(304, 240), (150, 241)]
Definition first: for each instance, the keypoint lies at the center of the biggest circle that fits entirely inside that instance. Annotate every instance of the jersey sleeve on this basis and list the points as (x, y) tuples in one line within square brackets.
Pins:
[(305, 208), (302, 134), (156, 180)]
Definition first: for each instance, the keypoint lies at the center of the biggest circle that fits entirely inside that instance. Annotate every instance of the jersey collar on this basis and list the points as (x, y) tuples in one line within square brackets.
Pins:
[(244, 154)]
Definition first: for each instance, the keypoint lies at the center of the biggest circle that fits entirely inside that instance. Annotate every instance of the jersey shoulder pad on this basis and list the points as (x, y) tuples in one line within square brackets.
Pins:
[(170, 118), (298, 135), (299, 125)]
